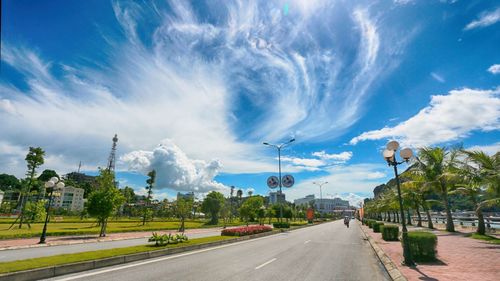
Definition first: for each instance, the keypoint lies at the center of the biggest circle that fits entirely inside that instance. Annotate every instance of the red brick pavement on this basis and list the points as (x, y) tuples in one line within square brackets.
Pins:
[(78, 239), (460, 258)]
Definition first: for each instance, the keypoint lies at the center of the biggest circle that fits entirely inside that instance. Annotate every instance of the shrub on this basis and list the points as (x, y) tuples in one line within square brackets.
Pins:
[(165, 239), (281, 225), (370, 223), (422, 245), (246, 230), (390, 232), (377, 225)]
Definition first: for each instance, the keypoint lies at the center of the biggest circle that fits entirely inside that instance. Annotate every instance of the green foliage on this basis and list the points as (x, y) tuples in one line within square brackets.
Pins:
[(281, 225), (212, 204), (47, 175), (390, 232), (376, 226), (35, 211), (165, 239), (249, 209), (422, 245), (34, 159), (487, 238), (9, 182), (128, 193)]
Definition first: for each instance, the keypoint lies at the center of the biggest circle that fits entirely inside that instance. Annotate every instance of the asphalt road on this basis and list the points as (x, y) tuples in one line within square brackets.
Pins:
[(29, 253), (328, 251)]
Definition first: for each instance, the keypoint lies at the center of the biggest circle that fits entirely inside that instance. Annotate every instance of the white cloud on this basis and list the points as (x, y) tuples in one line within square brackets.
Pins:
[(495, 69), (311, 162), (447, 118), (340, 157), (437, 77), (359, 179), (488, 149), (485, 19), (174, 169)]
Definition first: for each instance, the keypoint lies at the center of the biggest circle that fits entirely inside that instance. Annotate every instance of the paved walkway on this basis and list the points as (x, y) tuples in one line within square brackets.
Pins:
[(460, 258)]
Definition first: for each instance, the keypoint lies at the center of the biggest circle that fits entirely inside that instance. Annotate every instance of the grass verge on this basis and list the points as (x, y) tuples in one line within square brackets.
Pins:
[(19, 265), (487, 238)]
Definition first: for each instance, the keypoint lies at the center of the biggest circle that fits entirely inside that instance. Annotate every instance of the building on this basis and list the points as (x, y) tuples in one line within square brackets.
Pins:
[(69, 198), (274, 198), (189, 195), (325, 205)]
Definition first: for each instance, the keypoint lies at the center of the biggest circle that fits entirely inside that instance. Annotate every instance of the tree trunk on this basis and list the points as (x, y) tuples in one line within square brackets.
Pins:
[(396, 215), (388, 216), (450, 227), (103, 228), (408, 216), (480, 219), (181, 229), (419, 217)]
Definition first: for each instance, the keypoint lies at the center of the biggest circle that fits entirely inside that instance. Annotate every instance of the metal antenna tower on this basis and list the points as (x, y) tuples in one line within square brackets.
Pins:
[(112, 155)]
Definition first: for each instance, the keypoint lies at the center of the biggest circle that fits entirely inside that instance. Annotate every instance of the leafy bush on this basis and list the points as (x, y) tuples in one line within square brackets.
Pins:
[(165, 239), (390, 232), (246, 230), (281, 225), (370, 223), (422, 245), (376, 226)]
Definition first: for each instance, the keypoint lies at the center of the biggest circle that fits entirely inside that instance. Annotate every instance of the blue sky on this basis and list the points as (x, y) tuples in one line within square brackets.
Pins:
[(193, 88)]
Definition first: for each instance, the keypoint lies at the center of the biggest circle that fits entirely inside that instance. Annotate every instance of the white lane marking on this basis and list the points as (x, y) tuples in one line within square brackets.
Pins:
[(266, 263), (307, 241)]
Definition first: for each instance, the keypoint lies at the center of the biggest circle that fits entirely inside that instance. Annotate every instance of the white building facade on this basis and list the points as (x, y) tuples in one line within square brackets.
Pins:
[(69, 198), (325, 205)]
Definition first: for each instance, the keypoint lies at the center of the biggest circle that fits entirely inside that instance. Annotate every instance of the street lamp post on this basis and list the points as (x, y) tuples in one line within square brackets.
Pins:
[(51, 184), (320, 184), (390, 157), (279, 147)]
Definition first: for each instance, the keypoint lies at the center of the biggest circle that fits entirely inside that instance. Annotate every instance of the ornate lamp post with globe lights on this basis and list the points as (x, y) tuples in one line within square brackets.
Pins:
[(53, 183), (286, 181), (390, 157)]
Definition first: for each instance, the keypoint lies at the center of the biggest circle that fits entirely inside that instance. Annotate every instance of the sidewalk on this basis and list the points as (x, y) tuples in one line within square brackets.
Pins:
[(21, 243), (460, 258)]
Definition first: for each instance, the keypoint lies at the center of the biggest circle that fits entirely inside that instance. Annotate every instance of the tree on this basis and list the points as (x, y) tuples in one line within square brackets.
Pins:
[(8, 182), (106, 200), (47, 174), (438, 166), (480, 174), (183, 208), (212, 204), (128, 193), (34, 159), (150, 181), (249, 208)]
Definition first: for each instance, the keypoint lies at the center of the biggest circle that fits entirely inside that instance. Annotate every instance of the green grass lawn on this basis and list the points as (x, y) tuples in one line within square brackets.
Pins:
[(93, 255), (487, 238), (73, 226)]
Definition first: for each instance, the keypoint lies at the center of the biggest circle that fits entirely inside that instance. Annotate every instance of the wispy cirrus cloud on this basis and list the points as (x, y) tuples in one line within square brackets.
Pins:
[(438, 77), (485, 19), (447, 118)]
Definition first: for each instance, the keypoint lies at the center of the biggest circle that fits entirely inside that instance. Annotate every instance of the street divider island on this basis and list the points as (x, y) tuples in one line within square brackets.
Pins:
[(247, 230)]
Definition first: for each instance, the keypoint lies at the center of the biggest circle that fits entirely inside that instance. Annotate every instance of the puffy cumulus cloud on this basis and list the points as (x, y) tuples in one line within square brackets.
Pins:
[(174, 169), (485, 19), (447, 118), (495, 69), (359, 179), (339, 157)]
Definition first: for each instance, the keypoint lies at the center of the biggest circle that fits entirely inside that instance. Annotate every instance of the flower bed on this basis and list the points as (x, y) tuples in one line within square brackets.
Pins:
[(246, 230)]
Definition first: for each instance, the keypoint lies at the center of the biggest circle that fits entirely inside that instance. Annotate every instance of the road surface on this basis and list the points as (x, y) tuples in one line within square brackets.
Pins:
[(329, 251)]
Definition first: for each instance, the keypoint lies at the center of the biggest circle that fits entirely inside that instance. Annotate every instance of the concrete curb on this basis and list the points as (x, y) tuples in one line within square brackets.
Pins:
[(389, 266), (53, 271)]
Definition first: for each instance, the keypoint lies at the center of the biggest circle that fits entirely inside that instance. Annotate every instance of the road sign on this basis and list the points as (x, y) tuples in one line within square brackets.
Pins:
[(288, 181), (272, 181)]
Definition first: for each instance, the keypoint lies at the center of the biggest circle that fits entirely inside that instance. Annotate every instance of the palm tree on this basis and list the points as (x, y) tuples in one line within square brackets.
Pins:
[(481, 177), (439, 168)]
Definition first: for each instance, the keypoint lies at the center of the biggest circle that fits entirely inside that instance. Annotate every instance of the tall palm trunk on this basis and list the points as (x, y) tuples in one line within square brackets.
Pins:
[(480, 219), (449, 219), (419, 217)]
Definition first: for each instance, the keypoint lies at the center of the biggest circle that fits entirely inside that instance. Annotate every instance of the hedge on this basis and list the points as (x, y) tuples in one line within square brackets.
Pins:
[(390, 232), (370, 223), (281, 225), (377, 225), (246, 230), (422, 245)]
